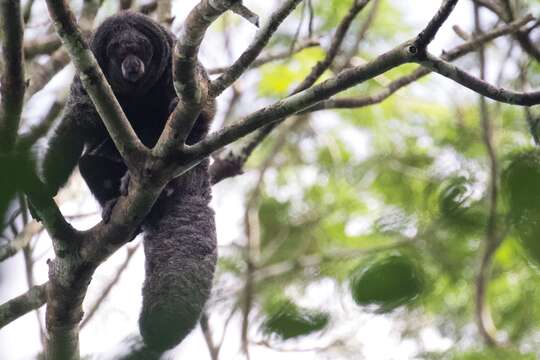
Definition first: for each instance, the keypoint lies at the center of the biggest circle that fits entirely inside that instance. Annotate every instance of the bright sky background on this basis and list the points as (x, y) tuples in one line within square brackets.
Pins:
[(118, 315)]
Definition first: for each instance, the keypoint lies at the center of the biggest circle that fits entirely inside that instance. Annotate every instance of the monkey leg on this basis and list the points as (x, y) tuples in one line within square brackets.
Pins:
[(180, 251)]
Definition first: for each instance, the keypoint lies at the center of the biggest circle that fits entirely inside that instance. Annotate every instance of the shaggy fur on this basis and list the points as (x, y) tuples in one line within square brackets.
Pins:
[(179, 233)]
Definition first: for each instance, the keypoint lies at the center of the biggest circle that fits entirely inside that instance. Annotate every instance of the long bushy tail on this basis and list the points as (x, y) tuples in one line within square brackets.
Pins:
[(181, 254)]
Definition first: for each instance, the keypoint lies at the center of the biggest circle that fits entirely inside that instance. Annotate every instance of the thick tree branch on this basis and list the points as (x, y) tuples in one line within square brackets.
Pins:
[(188, 80), (232, 163), (95, 83), (12, 82), (43, 73)]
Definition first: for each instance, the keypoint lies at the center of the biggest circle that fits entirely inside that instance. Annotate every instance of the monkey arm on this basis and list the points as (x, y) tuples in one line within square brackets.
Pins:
[(64, 150), (67, 141)]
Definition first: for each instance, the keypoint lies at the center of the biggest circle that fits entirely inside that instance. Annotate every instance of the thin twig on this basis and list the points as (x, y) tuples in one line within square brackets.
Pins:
[(130, 251), (265, 59), (254, 49), (483, 315), (394, 86), (335, 46)]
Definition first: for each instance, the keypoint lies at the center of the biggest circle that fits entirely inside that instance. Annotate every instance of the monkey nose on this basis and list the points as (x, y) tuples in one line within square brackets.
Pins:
[(132, 68)]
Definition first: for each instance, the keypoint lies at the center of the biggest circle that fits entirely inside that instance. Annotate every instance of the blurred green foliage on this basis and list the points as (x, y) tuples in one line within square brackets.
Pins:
[(387, 283), (408, 176), (287, 320)]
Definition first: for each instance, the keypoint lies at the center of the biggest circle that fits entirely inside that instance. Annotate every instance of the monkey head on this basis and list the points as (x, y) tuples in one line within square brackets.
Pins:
[(129, 55), (133, 51)]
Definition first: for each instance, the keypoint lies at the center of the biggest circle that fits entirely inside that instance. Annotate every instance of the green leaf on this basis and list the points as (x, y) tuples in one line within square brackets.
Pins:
[(287, 320), (387, 283)]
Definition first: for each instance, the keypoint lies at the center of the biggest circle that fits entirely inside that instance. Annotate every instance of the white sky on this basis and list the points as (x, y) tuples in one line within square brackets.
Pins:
[(118, 315)]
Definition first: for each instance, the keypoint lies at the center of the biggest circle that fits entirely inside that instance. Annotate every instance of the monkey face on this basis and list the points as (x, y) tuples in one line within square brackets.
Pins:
[(128, 57), (132, 68)]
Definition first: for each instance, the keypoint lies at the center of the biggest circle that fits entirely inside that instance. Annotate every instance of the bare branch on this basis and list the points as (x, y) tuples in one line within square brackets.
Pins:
[(188, 80), (504, 11), (15, 308), (38, 131), (265, 59), (43, 73), (12, 82), (481, 87), (27, 11), (298, 102), (106, 291), (21, 240), (164, 12), (244, 12), (213, 349), (44, 45), (427, 35), (337, 40), (233, 163), (346, 61), (148, 8), (394, 86), (483, 315), (261, 39)]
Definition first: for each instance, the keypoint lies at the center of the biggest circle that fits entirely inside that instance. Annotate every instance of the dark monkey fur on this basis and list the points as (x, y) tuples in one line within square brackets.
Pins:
[(135, 54)]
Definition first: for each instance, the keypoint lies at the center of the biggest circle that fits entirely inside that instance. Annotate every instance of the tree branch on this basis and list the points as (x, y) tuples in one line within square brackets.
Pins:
[(298, 102), (12, 82), (44, 45), (265, 59), (187, 75), (484, 319), (21, 240), (254, 49), (95, 83), (15, 308), (337, 40), (232, 163), (394, 86), (478, 85), (105, 292), (427, 35)]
